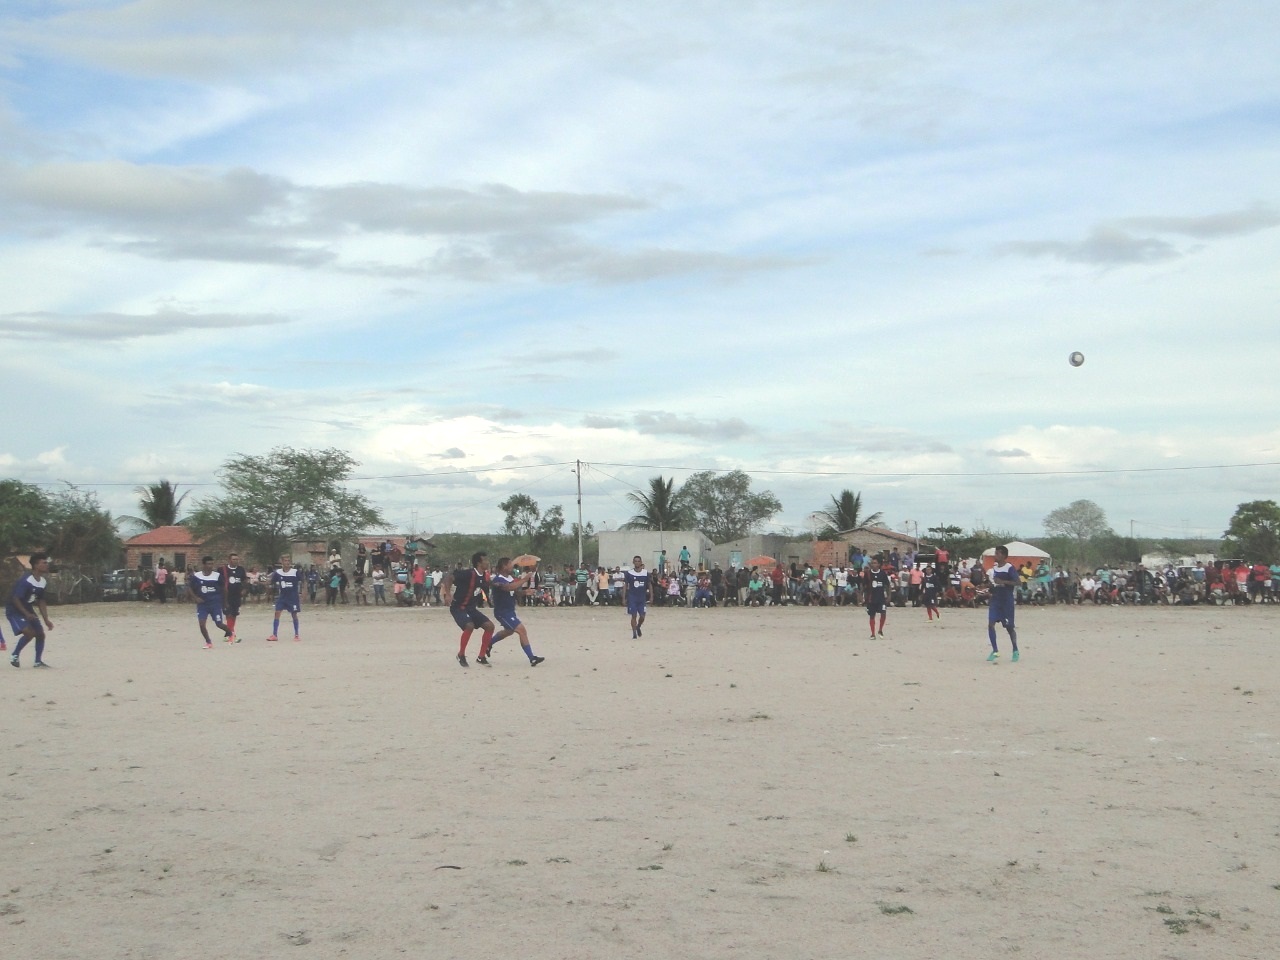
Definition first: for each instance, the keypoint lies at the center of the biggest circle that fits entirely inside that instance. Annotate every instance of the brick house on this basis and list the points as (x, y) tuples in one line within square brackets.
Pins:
[(175, 545)]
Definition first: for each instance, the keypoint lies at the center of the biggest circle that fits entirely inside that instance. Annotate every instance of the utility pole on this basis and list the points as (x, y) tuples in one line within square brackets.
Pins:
[(578, 470)]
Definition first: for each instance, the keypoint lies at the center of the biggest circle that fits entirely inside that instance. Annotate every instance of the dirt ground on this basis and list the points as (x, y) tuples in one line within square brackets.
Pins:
[(738, 783)]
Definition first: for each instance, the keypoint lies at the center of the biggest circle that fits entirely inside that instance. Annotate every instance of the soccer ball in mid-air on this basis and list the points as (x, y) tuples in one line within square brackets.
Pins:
[(1076, 359)]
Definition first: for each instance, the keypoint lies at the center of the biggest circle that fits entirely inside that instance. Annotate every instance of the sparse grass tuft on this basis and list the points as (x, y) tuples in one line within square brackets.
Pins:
[(824, 868), (1164, 908), (652, 866), (892, 909), (667, 846), (850, 838), (516, 863)]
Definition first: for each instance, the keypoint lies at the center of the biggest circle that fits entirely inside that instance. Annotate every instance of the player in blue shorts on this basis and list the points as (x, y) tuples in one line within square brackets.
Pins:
[(636, 582), (288, 580), (1004, 582), (26, 599), (464, 590), (205, 587), (504, 611)]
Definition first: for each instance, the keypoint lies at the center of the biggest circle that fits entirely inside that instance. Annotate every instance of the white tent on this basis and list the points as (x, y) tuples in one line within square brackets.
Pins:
[(1020, 550)]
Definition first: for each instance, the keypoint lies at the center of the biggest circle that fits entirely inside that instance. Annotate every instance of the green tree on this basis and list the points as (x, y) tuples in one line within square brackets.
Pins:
[(160, 505), (944, 535), (845, 513), (287, 495), (24, 517), (81, 530), (661, 507), (1081, 520), (724, 507), (1254, 533), (526, 520)]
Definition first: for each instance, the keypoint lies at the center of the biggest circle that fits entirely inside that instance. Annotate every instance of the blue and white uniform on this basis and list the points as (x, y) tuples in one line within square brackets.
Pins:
[(289, 583), (29, 590), (637, 590), (208, 590), (504, 603), (1004, 581)]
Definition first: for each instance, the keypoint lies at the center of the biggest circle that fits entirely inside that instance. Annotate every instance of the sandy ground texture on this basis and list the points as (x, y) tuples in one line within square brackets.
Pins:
[(738, 783)]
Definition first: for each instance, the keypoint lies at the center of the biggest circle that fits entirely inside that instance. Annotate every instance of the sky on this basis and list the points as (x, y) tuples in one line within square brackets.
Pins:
[(473, 243)]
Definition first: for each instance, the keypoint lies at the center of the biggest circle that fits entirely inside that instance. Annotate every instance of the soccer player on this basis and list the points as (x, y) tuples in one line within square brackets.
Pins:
[(929, 589), (28, 597), (504, 611), (287, 579), (1004, 581), (463, 590), (205, 586), (637, 580), (878, 585), (234, 578)]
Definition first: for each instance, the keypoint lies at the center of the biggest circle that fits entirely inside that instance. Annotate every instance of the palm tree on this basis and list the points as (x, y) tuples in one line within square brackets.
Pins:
[(845, 513), (660, 509), (160, 505)]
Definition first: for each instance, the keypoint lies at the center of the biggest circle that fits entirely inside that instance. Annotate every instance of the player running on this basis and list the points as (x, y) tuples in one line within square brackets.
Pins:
[(288, 580), (28, 597), (463, 590), (1004, 581), (878, 584), (637, 587), (504, 611), (234, 577), (205, 586)]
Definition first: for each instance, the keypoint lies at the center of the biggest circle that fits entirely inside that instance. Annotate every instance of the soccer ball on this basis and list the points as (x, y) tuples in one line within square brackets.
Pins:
[(1076, 359)]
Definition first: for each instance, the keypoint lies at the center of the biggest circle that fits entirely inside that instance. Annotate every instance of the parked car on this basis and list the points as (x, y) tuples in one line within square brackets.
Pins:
[(118, 585)]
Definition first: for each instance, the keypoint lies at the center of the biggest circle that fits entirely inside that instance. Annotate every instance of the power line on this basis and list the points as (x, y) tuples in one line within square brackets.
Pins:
[(907, 474)]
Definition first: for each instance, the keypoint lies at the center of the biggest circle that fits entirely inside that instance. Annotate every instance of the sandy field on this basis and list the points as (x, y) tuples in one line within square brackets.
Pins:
[(738, 783)]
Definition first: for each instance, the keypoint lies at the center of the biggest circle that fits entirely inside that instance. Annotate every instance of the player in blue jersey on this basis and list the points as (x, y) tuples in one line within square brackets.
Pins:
[(504, 611), (287, 579), (877, 585), (464, 591), (205, 586), (1004, 582), (637, 589), (25, 601)]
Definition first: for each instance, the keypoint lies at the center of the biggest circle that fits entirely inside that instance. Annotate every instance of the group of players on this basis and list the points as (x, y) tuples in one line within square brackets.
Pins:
[(218, 594), (1000, 609)]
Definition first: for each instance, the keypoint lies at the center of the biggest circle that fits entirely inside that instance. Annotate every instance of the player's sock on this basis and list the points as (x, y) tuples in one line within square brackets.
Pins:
[(231, 622), (39, 649), (991, 634), (22, 642), (528, 651), (872, 620), (486, 641), (462, 645), (1013, 639), (883, 618), (275, 626)]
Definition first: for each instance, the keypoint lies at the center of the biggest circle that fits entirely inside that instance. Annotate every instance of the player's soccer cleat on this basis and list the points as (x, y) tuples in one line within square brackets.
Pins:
[(993, 657), (1014, 658), (208, 646), (235, 638), (2, 646), (482, 659), (534, 661), (639, 631), (41, 663), (272, 639), (296, 638), (881, 634), (13, 661), (462, 660)]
